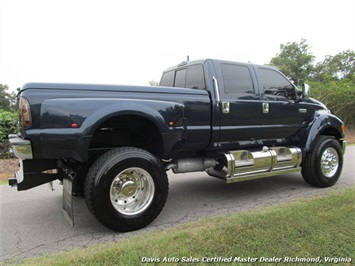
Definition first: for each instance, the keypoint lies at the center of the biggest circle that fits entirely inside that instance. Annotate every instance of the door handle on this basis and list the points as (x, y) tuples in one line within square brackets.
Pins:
[(225, 107), (266, 108)]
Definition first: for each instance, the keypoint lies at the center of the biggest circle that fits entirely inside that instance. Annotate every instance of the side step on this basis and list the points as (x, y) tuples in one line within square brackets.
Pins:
[(244, 165)]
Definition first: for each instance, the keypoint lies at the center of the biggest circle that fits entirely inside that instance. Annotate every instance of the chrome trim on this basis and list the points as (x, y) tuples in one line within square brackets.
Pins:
[(230, 165), (225, 107), (20, 147), (262, 175), (246, 165), (266, 108), (329, 162), (19, 175), (306, 92), (215, 83), (343, 145), (132, 191)]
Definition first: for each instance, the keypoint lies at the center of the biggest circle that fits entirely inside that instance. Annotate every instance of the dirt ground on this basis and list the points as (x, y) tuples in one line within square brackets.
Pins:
[(350, 136), (9, 166)]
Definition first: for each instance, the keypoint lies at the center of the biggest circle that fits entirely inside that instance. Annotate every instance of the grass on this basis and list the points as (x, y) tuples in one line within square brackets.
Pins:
[(311, 228)]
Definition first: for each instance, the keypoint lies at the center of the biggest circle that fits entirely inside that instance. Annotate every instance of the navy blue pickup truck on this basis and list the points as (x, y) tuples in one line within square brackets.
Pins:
[(115, 144)]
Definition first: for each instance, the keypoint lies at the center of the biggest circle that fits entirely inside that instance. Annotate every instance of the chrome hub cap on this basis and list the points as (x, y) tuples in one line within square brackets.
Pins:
[(329, 162), (132, 191)]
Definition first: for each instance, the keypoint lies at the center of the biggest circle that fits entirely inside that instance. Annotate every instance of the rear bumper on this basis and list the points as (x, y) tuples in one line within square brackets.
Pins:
[(22, 150), (32, 172), (20, 147)]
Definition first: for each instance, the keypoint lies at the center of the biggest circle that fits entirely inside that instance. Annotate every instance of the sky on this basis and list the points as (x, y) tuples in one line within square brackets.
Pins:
[(132, 42)]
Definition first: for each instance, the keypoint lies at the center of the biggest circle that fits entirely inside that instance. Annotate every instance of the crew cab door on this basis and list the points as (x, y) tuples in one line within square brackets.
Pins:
[(240, 105), (283, 118)]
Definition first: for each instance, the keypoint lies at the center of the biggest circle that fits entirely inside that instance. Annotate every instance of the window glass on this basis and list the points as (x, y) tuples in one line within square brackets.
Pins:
[(195, 77), (180, 78), (237, 79), (167, 79), (274, 84)]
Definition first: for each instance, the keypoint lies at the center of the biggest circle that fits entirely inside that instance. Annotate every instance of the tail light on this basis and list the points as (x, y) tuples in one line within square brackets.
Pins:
[(25, 113)]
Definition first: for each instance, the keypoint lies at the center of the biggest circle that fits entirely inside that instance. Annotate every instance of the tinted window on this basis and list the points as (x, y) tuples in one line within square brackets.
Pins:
[(275, 84), (237, 79), (180, 78), (167, 79), (195, 77)]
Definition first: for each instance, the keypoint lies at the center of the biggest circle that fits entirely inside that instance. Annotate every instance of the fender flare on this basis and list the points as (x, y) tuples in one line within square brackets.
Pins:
[(128, 107), (159, 113), (323, 124)]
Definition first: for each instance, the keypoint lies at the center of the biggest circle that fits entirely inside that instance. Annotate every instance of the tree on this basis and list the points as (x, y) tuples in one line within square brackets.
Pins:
[(154, 83), (338, 67), (7, 100), (332, 81), (295, 61)]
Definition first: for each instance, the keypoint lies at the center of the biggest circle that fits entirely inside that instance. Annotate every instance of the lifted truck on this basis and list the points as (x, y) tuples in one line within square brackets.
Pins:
[(114, 144)]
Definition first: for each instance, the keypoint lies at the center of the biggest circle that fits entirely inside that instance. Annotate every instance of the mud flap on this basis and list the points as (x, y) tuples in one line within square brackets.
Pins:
[(50, 186), (68, 209)]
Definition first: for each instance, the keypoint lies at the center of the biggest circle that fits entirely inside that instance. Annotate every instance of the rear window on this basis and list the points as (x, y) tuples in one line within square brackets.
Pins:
[(180, 78), (167, 80), (191, 77)]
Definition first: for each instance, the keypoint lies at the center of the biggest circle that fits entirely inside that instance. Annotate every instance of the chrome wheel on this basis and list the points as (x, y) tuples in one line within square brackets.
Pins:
[(329, 162), (132, 191)]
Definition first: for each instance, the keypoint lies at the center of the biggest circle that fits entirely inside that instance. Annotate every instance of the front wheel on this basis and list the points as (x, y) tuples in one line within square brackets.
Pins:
[(126, 189), (322, 166)]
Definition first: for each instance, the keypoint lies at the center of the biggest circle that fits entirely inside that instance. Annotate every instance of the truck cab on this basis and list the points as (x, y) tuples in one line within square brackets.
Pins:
[(252, 105)]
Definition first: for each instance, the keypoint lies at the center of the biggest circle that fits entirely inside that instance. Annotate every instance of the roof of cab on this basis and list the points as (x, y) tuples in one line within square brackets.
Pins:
[(203, 61)]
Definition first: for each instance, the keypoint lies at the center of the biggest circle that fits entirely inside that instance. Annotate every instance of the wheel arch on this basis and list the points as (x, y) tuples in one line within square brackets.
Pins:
[(324, 125), (128, 128)]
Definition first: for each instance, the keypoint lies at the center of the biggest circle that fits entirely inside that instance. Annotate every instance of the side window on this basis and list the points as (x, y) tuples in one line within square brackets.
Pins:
[(167, 80), (180, 78), (274, 84), (195, 78), (237, 79)]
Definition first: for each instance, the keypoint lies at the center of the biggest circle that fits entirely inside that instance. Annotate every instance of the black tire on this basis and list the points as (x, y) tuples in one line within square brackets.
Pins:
[(126, 189), (323, 165)]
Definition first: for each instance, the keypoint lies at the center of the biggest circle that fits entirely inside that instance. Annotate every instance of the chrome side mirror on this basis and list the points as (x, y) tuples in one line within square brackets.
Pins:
[(306, 92)]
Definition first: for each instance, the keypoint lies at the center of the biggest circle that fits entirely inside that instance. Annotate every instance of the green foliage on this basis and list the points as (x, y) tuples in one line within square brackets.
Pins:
[(295, 61), (340, 66), (332, 81), (154, 83), (8, 125), (7, 100), (338, 96)]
